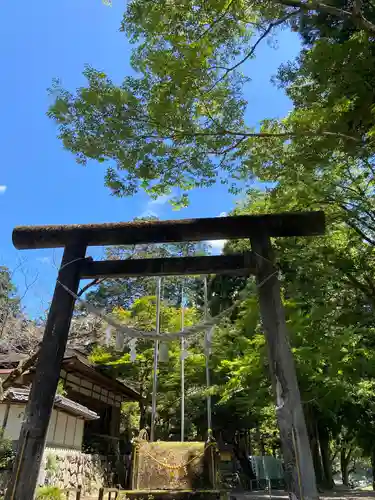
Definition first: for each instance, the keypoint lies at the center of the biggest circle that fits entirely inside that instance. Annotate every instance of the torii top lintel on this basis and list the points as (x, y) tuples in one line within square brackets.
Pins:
[(171, 231)]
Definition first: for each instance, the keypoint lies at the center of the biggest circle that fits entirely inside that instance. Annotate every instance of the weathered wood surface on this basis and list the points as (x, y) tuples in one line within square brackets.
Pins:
[(72, 493), (38, 411), (240, 264), (114, 493), (131, 233), (20, 370), (299, 469), (173, 465)]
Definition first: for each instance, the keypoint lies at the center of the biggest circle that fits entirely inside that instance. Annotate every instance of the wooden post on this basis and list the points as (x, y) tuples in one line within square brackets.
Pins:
[(134, 468), (299, 469), (6, 416), (34, 429)]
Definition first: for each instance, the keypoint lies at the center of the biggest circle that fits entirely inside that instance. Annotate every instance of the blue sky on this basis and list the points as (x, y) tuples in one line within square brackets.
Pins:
[(40, 183)]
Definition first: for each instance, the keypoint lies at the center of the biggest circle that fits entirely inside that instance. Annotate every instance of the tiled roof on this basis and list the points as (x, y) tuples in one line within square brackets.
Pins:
[(71, 354), (22, 396)]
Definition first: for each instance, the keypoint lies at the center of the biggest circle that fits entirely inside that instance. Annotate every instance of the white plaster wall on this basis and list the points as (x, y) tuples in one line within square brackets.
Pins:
[(63, 431), (78, 436), (59, 435), (70, 431), (51, 427), (2, 413), (14, 423), (66, 431)]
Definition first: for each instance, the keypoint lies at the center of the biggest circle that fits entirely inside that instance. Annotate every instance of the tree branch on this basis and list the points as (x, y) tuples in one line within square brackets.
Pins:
[(253, 48), (334, 456), (347, 458), (216, 21), (353, 281), (21, 368), (357, 7), (356, 15), (229, 148), (94, 282), (262, 135), (359, 231)]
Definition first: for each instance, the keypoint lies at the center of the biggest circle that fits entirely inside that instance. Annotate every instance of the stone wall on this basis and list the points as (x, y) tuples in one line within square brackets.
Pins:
[(68, 469)]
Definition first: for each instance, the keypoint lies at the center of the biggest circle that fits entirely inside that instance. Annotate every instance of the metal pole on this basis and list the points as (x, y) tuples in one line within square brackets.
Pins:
[(182, 368), (207, 354), (156, 357)]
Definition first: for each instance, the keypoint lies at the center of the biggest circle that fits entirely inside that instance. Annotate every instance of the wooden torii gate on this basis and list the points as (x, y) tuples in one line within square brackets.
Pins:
[(74, 266)]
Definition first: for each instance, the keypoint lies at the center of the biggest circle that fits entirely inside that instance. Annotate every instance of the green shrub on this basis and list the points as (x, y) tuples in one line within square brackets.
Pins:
[(7, 453), (48, 493), (61, 388), (51, 463)]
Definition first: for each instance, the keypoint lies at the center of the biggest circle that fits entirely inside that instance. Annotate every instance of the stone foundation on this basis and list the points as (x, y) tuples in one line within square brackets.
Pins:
[(68, 469)]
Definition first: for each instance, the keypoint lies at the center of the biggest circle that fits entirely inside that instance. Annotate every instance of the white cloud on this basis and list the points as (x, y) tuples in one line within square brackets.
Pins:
[(44, 260), (3, 188), (153, 207)]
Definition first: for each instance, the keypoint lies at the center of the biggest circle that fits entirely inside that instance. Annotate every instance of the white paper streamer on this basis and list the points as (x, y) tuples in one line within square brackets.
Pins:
[(208, 340), (108, 335), (190, 330), (184, 354), (163, 352), (133, 350), (119, 340), (210, 334)]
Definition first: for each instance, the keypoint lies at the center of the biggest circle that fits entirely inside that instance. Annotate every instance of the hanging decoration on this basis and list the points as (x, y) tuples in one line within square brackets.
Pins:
[(187, 332), (133, 350), (108, 335), (208, 340), (120, 340), (184, 354), (133, 334), (163, 352)]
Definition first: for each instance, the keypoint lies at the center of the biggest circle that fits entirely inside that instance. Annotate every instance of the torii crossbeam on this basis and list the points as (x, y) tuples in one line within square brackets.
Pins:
[(75, 266)]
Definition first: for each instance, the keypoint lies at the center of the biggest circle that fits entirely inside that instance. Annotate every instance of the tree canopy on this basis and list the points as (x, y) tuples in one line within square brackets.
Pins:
[(180, 122)]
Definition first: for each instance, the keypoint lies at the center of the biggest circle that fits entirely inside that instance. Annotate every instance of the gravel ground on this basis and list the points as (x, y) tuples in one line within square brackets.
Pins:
[(337, 495), (281, 495)]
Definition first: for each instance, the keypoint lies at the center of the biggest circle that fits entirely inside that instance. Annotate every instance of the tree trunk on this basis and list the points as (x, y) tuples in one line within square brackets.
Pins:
[(249, 443), (314, 444), (326, 459), (319, 473), (345, 455), (373, 468)]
